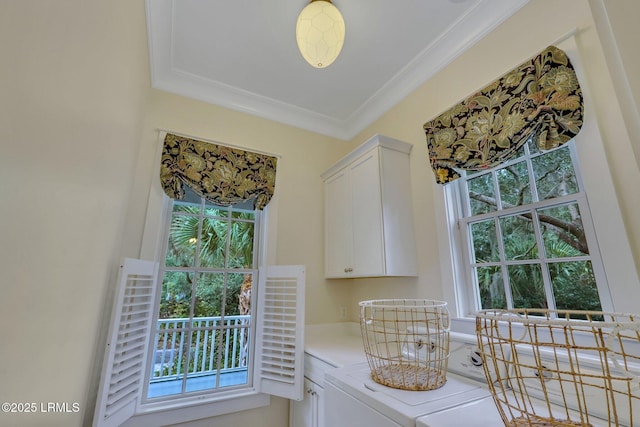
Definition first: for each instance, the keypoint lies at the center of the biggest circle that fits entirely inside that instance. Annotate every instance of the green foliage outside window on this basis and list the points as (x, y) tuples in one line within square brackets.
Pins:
[(226, 242), (522, 238)]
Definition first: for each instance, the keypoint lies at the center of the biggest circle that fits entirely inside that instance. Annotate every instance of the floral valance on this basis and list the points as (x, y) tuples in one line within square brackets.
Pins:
[(540, 99), (223, 175)]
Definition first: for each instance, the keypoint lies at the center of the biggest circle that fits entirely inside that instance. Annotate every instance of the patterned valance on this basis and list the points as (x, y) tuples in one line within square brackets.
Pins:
[(225, 176), (540, 99)]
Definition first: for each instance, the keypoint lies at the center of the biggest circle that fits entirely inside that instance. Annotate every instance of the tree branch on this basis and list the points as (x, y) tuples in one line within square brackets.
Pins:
[(565, 229)]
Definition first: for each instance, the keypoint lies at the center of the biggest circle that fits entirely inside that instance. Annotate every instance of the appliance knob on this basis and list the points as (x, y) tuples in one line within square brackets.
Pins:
[(543, 372), (476, 358)]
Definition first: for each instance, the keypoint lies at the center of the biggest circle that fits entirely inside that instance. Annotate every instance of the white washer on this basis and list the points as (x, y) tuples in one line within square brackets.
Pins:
[(482, 413), (479, 413), (353, 399)]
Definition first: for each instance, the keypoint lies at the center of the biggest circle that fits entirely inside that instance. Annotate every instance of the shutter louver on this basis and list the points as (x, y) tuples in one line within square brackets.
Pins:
[(122, 374), (281, 331)]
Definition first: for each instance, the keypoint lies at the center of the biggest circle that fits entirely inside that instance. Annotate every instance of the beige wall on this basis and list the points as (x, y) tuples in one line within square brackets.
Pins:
[(623, 15), (73, 82), (78, 131), (616, 21)]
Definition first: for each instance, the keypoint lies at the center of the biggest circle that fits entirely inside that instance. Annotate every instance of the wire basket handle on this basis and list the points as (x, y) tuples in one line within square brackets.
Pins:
[(612, 354)]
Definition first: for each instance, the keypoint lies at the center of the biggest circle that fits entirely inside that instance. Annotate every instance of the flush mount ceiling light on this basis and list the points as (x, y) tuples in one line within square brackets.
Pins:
[(320, 33)]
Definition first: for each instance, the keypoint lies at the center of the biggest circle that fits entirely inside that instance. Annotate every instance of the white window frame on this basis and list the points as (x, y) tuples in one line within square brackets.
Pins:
[(287, 382), (160, 401), (471, 287), (622, 278)]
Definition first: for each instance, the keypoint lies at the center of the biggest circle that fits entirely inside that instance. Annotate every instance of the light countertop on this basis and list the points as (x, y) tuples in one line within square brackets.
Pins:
[(338, 344)]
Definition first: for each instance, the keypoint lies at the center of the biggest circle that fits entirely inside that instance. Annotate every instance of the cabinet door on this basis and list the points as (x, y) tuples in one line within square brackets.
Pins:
[(368, 213), (338, 233), (343, 409), (308, 412), (301, 413), (319, 396), (366, 202)]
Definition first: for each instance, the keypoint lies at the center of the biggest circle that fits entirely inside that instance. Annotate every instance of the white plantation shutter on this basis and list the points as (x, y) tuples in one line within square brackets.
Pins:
[(122, 373), (280, 331)]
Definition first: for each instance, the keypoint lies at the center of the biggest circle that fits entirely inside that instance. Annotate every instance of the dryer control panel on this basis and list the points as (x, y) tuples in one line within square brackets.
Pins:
[(464, 358)]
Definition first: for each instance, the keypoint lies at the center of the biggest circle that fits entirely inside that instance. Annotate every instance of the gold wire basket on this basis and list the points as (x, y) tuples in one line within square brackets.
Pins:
[(561, 367), (406, 342)]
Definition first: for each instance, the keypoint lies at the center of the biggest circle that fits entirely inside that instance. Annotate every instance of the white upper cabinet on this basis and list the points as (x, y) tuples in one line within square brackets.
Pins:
[(368, 212)]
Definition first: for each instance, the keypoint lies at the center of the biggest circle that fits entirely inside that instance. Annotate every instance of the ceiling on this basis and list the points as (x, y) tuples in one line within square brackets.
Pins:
[(242, 54)]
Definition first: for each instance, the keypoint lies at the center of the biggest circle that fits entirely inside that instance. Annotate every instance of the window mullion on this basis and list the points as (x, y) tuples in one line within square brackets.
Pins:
[(463, 229), (496, 191), (221, 328), (500, 241), (533, 186), (503, 264), (194, 289), (196, 261), (537, 205), (467, 261), (228, 239), (543, 260), (464, 208)]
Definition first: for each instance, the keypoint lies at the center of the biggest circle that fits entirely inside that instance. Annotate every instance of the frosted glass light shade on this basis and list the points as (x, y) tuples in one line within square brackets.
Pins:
[(320, 33)]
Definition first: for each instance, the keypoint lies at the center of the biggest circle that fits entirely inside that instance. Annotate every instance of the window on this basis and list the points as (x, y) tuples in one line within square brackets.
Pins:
[(589, 197), (527, 234), (185, 342), (203, 333)]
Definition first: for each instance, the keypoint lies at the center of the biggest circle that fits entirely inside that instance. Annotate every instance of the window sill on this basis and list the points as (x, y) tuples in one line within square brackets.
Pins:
[(464, 325), (169, 413)]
